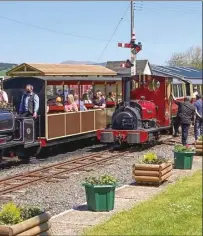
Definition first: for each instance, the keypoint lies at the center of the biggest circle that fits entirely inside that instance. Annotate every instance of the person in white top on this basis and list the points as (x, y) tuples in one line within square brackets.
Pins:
[(195, 92), (3, 96)]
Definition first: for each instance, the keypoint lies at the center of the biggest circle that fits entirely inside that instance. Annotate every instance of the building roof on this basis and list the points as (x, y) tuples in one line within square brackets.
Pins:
[(177, 71), (116, 66), (31, 69)]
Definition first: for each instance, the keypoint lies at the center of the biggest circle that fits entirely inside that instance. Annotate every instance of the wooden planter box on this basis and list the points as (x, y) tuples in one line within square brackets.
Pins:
[(199, 147), (151, 173), (38, 225)]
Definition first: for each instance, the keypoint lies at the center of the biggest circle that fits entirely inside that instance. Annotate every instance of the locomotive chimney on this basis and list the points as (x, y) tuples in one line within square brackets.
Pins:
[(126, 91)]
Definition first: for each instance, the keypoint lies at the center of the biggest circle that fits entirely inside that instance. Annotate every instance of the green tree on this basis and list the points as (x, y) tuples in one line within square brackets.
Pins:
[(192, 58)]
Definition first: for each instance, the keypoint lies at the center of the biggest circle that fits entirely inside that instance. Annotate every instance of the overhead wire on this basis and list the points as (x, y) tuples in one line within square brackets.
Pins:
[(139, 6), (101, 54), (51, 30)]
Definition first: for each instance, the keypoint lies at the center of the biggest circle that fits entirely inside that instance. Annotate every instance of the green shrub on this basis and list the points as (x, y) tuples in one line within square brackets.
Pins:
[(152, 158), (102, 180), (10, 214), (28, 212), (182, 148)]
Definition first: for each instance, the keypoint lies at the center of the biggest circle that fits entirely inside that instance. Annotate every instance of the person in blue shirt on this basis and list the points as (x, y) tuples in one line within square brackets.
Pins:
[(198, 127), (29, 105), (80, 102)]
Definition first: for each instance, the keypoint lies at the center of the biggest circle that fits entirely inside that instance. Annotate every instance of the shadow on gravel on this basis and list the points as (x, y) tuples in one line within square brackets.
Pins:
[(67, 147), (81, 208), (56, 152)]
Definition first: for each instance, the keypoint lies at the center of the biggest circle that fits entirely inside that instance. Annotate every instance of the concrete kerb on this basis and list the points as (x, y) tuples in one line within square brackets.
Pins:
[(72, 209)]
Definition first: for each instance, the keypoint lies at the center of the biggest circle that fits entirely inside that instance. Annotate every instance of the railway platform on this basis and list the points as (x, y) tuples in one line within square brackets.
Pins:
[(74, 221)]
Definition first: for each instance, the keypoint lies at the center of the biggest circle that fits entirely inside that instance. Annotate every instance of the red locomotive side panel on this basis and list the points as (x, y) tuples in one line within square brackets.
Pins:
[(148, 109)]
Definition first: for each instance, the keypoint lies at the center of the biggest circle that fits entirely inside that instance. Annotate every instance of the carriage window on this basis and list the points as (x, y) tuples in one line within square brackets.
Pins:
[(198, 88), (54, 90), (187, 87), (175, 90), (180, 90)]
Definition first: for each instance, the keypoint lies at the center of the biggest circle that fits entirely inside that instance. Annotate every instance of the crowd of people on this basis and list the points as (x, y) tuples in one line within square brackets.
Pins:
[(187, 114), (73, 103)]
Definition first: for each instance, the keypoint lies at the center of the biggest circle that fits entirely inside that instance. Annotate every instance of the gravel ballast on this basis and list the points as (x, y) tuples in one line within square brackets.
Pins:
[(65, 194)]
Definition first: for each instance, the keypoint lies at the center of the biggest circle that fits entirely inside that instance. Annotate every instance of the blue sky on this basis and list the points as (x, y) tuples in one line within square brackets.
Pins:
[(162, 27)]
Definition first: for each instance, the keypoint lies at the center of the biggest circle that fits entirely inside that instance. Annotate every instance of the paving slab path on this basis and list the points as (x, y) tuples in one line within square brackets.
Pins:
[(74, 221)]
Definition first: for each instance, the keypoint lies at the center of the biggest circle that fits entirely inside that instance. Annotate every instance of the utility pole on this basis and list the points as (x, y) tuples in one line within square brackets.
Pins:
[(134, 48), (132, 36)]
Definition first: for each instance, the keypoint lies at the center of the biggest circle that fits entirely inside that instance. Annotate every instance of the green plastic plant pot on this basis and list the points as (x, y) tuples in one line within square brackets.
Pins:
[(183, 160), (100, 197)]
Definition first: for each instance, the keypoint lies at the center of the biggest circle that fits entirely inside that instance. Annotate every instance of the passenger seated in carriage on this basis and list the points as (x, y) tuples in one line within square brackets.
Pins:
[(111, 97), (99, 101), (70, 104), (80, 103), (86, 99), (59, 101)]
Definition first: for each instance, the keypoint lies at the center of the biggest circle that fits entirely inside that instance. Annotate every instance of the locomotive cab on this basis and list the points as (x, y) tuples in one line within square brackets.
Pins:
[(15, 130)]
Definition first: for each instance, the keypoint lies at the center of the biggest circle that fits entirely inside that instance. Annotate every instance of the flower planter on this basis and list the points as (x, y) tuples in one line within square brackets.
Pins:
[(32, 227), (199, 147), (152, 173), (100, 197), (183, 160)]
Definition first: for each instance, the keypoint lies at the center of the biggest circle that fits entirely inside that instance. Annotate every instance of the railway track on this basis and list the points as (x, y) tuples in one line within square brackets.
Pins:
[(54, 171)]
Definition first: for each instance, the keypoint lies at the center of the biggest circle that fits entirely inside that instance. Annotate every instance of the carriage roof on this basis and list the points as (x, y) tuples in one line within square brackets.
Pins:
[(26, 69)]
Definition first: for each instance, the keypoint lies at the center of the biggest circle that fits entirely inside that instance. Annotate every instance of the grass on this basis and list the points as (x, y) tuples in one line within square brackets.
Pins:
[(175, 211)]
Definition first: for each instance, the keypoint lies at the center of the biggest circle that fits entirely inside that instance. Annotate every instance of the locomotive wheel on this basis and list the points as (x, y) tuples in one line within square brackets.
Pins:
[(28, 153)]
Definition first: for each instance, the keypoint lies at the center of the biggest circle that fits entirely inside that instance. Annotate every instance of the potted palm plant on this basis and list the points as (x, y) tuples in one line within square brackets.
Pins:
[(27, 220), (100, 193), (152, 169), (183, 156)]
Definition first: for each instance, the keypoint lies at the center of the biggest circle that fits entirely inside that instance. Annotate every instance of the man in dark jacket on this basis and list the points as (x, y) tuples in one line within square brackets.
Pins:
[(186, 113), (29, 105), (198, 128)]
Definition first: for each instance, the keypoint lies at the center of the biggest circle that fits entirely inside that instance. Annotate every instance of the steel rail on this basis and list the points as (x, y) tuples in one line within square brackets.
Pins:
[(60, 168)]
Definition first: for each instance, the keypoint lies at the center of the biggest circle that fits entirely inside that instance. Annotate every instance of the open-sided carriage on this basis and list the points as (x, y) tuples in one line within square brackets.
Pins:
[(26, 136)]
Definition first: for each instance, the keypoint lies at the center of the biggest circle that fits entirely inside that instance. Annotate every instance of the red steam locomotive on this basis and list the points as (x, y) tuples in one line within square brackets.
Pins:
[(146, 110)]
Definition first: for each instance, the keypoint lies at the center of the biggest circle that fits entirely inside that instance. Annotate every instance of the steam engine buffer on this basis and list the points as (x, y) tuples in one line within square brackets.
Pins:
[(143, 113)]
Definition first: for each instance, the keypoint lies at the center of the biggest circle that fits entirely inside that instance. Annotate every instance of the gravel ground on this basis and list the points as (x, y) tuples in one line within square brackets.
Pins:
[(67, 152), (64, 194)]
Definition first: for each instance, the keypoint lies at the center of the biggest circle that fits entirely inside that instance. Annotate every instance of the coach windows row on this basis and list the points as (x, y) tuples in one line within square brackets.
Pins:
[(178, 90), (83, 93)]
